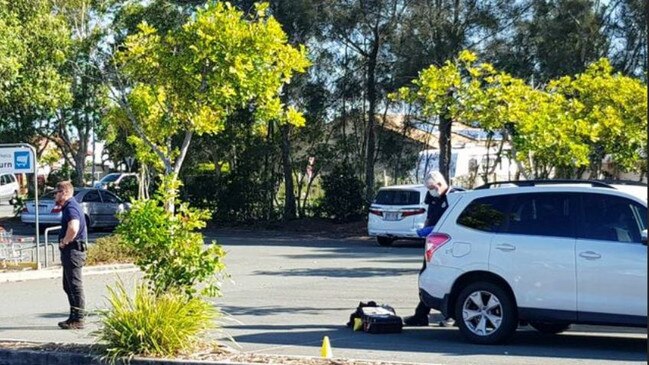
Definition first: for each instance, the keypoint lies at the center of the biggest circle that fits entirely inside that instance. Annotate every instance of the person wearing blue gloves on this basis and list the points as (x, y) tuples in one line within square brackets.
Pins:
[(437, 204)]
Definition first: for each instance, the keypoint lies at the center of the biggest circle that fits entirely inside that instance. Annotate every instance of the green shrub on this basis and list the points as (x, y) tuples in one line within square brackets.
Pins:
[(66, 172), (169, 250), (127, 189), (150, 325), (110, 250), (343, 194), (202, 191), (19, 204)]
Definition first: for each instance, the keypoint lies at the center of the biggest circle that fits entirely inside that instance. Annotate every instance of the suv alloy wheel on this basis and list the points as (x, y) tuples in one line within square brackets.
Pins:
[(485, 313)]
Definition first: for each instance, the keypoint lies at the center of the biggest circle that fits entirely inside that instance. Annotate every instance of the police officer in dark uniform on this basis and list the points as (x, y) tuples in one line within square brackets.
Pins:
[(437, 204), (72, 244)]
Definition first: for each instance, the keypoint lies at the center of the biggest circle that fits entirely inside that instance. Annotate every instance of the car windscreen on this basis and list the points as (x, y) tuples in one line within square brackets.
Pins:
[(109, 178), (397, 197)]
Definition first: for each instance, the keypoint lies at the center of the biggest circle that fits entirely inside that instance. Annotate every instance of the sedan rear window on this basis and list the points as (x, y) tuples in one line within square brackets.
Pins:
[(397, 197)]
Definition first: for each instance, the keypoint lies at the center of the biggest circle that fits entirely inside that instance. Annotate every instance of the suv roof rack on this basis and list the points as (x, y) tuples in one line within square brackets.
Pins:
[(496, 184), (625, 182)]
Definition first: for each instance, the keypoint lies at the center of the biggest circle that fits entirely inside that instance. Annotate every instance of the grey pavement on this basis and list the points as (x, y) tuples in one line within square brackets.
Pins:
[(288, 291)]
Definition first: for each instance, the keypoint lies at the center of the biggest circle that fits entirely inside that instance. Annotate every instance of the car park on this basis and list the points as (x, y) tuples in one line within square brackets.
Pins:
[(398, 212), (99, 206), (545, 253), (115, 179), (8, 187)]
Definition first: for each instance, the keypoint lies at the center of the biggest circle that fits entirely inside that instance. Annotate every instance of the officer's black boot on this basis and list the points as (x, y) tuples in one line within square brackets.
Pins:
[(76, 320), (64, 323)]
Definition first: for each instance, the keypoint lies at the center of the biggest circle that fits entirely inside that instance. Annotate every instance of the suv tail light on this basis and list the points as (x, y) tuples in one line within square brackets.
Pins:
[(433, 242), (376, 212), (407, 213), (56, 209)]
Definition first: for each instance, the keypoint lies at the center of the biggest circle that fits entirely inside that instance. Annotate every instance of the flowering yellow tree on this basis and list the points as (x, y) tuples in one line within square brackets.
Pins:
[(189, 80), (562, 130)]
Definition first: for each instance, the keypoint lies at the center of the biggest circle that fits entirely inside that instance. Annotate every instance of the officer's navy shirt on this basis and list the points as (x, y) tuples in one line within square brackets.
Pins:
[(436, 206), (72, 210)]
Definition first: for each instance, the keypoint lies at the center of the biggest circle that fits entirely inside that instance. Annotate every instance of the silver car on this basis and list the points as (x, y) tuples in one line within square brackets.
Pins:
[(99, 206)]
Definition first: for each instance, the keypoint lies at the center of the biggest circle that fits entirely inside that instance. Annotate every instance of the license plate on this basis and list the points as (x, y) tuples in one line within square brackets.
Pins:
[(391, 216), (42, 209)]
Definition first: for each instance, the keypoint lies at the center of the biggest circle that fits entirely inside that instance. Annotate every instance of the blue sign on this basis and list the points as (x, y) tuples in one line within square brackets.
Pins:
[(22, 160)]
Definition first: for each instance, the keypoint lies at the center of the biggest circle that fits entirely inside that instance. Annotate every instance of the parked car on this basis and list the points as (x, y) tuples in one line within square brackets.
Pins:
[(100, 208), (539, 254), (397, 213), (8, 187), (115, 179)]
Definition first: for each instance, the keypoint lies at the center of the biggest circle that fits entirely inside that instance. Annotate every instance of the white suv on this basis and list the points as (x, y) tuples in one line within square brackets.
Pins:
[(397, 212), (544, 253)]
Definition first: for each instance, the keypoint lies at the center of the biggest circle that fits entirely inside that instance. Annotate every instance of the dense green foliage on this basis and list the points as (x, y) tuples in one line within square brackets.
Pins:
[(189, 80), (64, 173), (34, 42), (170, 251), (566, 128), (127, 189), (169, 81), (343, 193), (153, 326)]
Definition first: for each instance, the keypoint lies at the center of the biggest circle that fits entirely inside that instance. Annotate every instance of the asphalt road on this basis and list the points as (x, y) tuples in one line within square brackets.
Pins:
[(289, 291)]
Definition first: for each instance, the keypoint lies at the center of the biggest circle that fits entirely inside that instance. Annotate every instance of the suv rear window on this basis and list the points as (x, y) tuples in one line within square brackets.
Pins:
[(485, 214), (397, 197), (612, 218), (542, 214)]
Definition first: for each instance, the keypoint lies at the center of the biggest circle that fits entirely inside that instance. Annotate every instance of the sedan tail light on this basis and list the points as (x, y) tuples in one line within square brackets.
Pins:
[(407, 213), (25, 210), (376, 212), (433, 242), (56, 209)]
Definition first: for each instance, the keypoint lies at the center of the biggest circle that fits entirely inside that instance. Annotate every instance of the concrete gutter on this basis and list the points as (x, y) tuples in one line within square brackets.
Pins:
[(56, 272)]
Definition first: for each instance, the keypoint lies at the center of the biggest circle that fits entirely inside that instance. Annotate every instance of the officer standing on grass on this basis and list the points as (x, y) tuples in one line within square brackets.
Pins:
[(72, 244)]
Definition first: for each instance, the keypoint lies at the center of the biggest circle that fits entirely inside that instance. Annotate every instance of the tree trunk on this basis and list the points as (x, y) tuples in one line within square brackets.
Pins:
[(289, 202), (371, 97), (445, 146), (80, 154)]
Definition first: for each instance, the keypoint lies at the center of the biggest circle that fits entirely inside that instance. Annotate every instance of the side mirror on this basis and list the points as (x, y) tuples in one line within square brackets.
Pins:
[(643, 236)]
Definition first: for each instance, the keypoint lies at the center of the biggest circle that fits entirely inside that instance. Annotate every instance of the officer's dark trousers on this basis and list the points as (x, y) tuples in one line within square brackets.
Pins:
[(73, 261), (422, 311)]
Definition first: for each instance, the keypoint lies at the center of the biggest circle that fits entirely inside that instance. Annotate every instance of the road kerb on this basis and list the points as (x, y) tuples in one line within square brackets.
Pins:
[(56, 272)]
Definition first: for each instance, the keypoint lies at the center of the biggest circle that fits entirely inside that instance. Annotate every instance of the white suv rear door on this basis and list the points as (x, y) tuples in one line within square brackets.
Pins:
[(611, 259), (535, 252)]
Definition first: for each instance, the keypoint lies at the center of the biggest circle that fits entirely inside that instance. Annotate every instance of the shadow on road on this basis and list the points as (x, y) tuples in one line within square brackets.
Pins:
[(448, 342), (272, 310), (337, 272)]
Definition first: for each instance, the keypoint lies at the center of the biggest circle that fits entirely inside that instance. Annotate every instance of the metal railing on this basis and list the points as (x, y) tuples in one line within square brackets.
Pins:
[(47, 232), (53, 244)]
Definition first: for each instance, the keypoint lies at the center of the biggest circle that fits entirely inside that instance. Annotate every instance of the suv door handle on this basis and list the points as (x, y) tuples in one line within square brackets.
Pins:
[(505, 247), (590, 255)]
